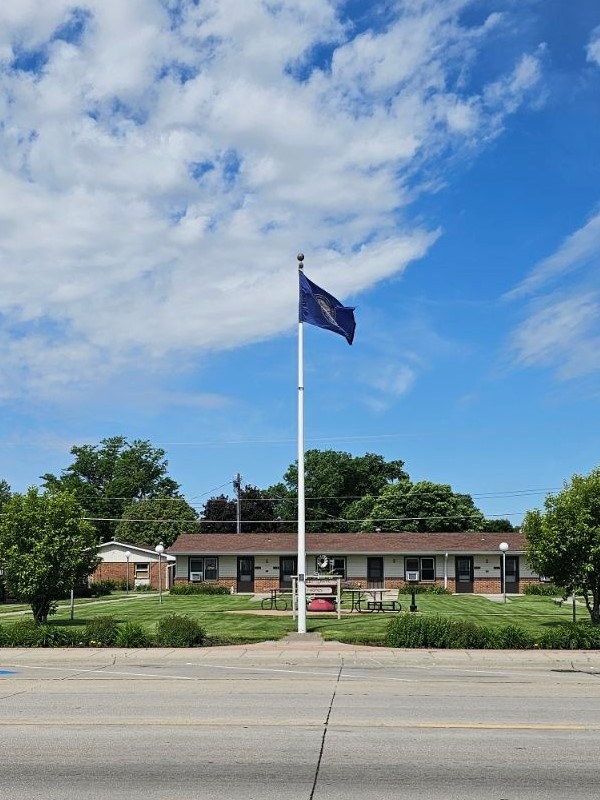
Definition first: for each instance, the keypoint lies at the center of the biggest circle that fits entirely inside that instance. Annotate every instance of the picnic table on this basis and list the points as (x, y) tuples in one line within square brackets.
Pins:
[(377, 603), (355, 597), (275, 601)]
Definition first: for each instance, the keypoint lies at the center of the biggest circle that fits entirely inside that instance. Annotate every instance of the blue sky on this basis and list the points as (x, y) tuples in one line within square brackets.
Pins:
[(161, 164)]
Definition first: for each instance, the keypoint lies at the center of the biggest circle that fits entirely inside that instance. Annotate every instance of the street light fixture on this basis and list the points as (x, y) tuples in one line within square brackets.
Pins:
[(160, 549), (127, 557), (503, 546)]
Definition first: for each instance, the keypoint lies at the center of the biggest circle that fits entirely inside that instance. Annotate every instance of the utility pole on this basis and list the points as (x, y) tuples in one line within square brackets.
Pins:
[(237, 487)]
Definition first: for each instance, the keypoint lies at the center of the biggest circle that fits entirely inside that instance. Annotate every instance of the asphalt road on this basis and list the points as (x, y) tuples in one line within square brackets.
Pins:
[(307, 722)]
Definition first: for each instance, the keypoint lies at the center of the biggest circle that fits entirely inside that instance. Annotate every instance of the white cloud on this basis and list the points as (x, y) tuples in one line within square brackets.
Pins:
[(396, 380), (561, 329), (577, 250), (157, 170), (593, 47), (562, 333)]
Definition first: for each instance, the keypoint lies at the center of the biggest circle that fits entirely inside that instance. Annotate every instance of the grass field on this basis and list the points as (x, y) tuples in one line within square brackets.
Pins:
[(218, 615)]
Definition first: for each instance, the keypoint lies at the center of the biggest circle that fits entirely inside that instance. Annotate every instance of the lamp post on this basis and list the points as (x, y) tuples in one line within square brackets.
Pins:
[(160, 549), (503, 546), (127, 557)]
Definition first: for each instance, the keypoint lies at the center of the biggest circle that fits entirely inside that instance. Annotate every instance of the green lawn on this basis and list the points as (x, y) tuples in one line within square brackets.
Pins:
[(534, 614), (13, 608)]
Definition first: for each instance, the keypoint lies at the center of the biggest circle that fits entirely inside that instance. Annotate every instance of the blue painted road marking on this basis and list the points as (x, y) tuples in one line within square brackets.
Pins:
[(7, 672)]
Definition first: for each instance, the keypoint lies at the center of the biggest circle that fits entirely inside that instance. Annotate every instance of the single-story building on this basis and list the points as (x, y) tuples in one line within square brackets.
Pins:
[(134, 565), (461, 562)]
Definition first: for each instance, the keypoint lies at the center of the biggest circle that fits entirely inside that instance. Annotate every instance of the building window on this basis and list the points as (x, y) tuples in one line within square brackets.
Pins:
[(419, 568), (336, 566), (204, 569), (142, 571)]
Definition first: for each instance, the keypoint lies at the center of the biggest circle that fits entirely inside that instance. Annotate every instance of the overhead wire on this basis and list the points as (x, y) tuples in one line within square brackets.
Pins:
[(291, 521)]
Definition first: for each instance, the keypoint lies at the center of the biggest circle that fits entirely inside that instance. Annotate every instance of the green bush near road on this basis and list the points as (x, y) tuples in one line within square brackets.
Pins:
[(179, 631), (101, 632), (580, 636), (439, 632), (132, 634), (26, 633)]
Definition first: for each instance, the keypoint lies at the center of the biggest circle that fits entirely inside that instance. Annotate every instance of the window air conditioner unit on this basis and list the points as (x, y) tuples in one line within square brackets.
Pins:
[(412, 576), (195, 576)]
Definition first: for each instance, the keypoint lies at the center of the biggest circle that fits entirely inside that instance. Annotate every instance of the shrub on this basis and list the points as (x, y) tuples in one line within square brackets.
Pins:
[(102, 588), (143, 587), (21, 634), (464, 634), (578, 636), (513, 637), (544, 590), (176, 630), (439, 632), (101, 631), (198, 588), (132, 634), (418, 588), (417, 631), (26, 633), (75, 637)]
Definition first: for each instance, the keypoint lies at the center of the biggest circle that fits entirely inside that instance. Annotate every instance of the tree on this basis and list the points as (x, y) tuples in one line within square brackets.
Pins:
[(563, 542), (333, 481), (257, 512), (422, 506), (5, 493), (157, 519), (107, 477), (497, 526), (47, 548)]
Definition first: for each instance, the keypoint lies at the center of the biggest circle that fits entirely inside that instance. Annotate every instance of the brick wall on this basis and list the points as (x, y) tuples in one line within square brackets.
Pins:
[(117, 571)]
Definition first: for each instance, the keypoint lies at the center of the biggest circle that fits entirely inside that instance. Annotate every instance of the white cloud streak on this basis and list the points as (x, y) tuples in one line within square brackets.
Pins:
[(561, 333), (561, 329), (593, 47), (159, 161), (576, 251)]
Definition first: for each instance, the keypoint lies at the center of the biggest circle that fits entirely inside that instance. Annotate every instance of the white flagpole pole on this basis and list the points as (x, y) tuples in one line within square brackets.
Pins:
[(301, 502)]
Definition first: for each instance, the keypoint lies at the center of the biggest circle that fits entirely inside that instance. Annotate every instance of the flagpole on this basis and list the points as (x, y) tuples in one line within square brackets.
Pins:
[(301, 501)]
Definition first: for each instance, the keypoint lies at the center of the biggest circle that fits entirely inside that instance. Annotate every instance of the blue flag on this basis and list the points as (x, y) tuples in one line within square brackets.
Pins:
[(318, 307)]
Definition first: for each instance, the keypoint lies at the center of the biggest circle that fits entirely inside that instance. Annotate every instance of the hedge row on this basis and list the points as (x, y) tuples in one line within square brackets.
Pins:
[(174, 630), (198, 588), (443, 633), (544, 590)]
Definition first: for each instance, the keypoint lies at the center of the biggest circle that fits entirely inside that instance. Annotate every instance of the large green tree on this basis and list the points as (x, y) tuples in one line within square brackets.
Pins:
[(257, 513), (47, 548), (497, 526), (563, 541), (156, 519), (421, 506), (106, 478), (5, 493), (334, 480)]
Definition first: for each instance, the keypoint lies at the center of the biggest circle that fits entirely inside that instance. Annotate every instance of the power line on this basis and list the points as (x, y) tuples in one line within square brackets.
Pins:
[(293, 496), (291, 521)]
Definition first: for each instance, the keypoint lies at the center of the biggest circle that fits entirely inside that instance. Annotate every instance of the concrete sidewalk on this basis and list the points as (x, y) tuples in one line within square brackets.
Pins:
[(310, 649)]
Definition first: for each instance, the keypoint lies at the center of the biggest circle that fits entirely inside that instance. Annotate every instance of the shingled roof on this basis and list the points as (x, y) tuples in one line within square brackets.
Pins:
[(345, 543)]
